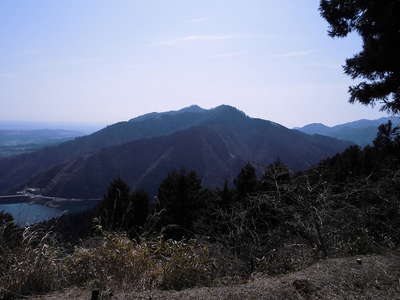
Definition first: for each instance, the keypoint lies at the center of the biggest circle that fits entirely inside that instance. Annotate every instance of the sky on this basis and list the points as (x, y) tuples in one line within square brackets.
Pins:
[(103, 61)]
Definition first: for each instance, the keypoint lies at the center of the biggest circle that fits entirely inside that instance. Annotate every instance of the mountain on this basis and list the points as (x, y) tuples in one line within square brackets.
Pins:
[(18, 169), (315, 128), (361, 132), (216, 143)]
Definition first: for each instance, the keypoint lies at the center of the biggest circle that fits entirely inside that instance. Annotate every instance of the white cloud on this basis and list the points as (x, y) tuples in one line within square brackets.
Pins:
[(207, 37), (190, 38), (215, 37), (198, 20), (228, 54), (295, 53)]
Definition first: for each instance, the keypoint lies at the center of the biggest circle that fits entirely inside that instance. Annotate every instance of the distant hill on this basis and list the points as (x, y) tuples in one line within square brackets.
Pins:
[(315, 128), (85, 128), (361, 132), (216, 143), (38, 136), (13, 142)]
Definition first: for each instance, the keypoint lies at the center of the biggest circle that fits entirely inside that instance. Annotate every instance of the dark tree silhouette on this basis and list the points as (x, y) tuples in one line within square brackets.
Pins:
[(179, 195), (226, 196), (386, 135), (378, 23), (140, 201), (114, 209), (246, 182), (5, 218), (9, 232), (121, 210)]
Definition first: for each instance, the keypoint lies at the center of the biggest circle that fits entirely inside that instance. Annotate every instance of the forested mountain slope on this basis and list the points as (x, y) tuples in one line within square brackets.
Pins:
[(216, 149)]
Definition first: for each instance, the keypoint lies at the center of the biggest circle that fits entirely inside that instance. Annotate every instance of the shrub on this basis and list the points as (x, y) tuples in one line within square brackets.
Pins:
[(113, 259), (118, 262), (189, 264)]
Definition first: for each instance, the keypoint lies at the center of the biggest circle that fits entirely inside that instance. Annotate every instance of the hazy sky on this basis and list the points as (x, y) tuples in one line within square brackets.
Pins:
[(107, 61)]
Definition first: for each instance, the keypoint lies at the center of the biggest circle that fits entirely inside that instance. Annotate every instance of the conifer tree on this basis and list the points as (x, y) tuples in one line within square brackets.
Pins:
[(115, 206), (386, 135), (378, 64), (179, 195), (226, 196), (140, 201), (246, 182)]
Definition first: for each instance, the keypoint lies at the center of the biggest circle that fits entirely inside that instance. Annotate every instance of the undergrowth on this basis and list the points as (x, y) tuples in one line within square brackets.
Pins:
[(111, 261)]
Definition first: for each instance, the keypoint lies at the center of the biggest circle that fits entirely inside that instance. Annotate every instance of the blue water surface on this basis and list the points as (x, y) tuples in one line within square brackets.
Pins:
[(26, 214)]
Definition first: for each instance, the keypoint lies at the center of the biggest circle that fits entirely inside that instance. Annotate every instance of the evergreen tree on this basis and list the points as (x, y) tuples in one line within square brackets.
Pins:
[(386, 135), (121, 210), (246, 182), (116, 205), (9, 232), (179, 195), (6, 219), (226, 196), (378, 23), (140, 201)]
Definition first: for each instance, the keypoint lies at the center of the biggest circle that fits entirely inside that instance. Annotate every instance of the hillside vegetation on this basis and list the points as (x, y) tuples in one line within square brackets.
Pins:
[(270, 225)]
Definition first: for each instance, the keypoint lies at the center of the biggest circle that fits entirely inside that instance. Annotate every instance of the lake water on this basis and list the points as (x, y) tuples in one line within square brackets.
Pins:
[(26, 211), (27, 214)]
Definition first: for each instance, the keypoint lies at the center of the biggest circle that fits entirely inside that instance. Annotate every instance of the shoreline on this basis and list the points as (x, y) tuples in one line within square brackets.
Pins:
[(54, 202)]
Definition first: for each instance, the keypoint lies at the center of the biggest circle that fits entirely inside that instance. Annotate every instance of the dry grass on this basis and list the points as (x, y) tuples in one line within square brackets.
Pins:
[(112, 261), (288, 259), (159, 269), (118, 262), (340, 278), (34, 266)]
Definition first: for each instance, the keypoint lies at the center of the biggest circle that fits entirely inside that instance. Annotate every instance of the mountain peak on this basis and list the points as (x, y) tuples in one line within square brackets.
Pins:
[(152, 115), (315, 128), (223, 109), (192, 108), (315, 125), (227, 109)]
